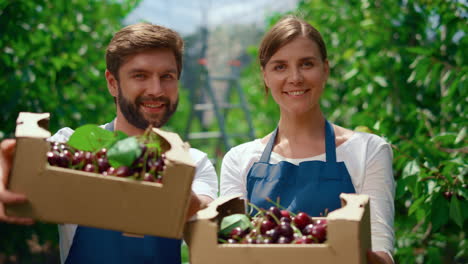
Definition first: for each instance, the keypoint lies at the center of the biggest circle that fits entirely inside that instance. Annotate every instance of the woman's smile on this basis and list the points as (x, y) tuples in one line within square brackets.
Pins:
[(296, 93)]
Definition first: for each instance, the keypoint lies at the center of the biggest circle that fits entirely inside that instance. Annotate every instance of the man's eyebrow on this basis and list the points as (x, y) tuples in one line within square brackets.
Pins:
[(135, 70), (172, 71)]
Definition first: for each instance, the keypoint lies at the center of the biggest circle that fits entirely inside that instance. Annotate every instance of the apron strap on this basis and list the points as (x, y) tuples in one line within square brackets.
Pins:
[(330, 146), (269, 147)]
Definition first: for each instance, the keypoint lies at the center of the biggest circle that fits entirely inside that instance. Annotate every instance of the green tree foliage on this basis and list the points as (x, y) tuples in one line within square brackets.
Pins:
[(52, 59), (399, 69)]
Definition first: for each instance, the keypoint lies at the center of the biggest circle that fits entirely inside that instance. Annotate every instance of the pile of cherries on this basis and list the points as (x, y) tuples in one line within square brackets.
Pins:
[(147, 167), (275, 226)]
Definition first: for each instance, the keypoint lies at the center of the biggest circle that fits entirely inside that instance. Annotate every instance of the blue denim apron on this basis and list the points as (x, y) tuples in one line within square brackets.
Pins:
[(94, 245), (312, 187)]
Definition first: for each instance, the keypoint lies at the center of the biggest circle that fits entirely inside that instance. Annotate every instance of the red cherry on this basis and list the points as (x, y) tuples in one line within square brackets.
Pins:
[(319, 232), (63, 160), (55, 147), (160, 165), (63, 146), (275, 211), (304, 240), (284, 240), (285, 213), (78, 158), (149, 177), (89, 168), (237, 233), (101, 153), (273, 234), (67, 153), (232, 241), (111, 171), (249, 240), (89, 157), (285, 230), (52, 158), (123, 171), (320, 222), (103, 164), (308, 229), (254, 233), (301, 220), (266, 225)]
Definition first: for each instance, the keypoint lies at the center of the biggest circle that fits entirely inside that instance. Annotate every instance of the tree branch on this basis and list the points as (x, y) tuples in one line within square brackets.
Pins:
[(450, 150)]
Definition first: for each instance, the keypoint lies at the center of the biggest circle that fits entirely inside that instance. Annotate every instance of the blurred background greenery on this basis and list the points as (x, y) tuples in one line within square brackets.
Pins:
[(398, 69)]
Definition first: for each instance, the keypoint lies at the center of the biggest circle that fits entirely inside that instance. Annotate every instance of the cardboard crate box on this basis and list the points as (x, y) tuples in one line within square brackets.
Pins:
[(348, 237), (60, 195)]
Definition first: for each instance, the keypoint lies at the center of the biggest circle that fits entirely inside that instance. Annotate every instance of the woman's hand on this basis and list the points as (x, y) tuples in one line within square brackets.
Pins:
[(197, 202), (7, 148), (378, 257)]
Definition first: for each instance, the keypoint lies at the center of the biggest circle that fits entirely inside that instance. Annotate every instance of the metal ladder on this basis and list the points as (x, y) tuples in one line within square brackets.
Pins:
[(221, 109)]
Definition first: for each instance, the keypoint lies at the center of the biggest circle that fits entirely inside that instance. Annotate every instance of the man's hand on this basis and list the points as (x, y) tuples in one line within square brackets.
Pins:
[(7, 148), (197, 202), (378, 257)]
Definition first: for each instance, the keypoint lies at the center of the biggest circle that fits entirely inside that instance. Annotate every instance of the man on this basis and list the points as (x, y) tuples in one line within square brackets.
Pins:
[(144, 63)]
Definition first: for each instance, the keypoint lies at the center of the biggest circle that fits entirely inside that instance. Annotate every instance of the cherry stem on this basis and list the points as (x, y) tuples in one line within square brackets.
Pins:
[(325, 212), (279, 205), (259, 211), (275, 218), (145, 161), (295, 229)]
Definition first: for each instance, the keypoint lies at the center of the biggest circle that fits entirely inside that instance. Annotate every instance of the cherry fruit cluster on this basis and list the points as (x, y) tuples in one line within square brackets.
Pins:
[(275, 226), (147, 167)]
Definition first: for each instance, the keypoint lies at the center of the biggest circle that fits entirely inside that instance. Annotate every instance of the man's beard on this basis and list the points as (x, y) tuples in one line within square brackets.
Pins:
[(136, 118)]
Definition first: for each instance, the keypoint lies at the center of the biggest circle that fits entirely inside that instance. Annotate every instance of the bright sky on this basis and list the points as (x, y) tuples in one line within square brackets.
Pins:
[(185, 16)]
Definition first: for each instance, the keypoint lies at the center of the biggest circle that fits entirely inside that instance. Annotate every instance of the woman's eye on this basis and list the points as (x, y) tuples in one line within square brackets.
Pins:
[(279, 67), (307, 64)]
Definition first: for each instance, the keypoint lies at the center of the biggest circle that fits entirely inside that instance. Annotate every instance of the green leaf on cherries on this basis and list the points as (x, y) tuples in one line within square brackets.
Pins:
[(124, 152), (232, 221), (118, 135), (91, 138)]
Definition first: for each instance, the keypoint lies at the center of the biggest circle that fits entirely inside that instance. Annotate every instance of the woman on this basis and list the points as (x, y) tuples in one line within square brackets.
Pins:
[(307, 161)]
